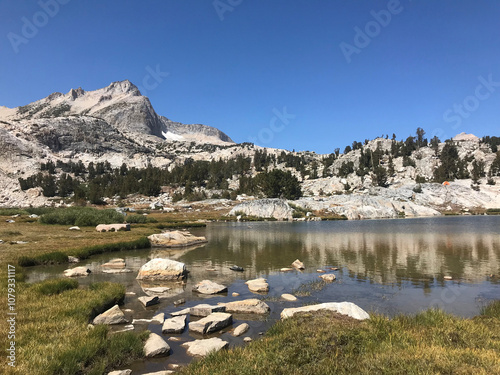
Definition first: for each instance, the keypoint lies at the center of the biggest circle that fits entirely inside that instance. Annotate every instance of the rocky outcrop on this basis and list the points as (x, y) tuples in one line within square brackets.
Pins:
[(247, 306), (175, 239), (344, 308), (162, 269), (264, 208), (209, 287), (203, 347), (155, 346), (112, 316), (211, 323), (76, 272)]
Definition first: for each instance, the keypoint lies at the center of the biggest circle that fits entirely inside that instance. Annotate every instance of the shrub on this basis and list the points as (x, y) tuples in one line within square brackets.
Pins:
[(81, 216)]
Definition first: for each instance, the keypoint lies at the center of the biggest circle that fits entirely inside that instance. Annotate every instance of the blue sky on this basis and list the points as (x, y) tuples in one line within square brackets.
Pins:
[(304, 75)]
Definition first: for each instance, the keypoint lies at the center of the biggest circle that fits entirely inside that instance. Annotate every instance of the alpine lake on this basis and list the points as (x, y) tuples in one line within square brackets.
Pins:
[(398, 266)]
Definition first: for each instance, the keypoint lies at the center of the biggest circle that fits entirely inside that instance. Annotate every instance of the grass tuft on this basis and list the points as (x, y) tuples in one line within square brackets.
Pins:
[(57, 286), (81, 216)]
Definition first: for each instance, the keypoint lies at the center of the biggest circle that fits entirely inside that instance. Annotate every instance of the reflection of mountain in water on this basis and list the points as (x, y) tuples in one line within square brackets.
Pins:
[(384, 251)]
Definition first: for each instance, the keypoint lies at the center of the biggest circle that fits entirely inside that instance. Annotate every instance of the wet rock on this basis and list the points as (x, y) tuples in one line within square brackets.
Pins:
[(162, 269), (298, 264), (76, 272), (179, 302), (344, 308), (205, 309), (209, 287), (234, 294), (320, 271), (247, 306), (159, 291), (155, 346), (175, 238), (74, 228), (211, 323), (330, 277), (448, 278), (112, 316), (241, 329), (288, 297), (73, 259), (247, 339), (236, 268), (286, 269), (112, 227), (116, 263), (203, 347), (258, 285), (149, 301), (174, 325)]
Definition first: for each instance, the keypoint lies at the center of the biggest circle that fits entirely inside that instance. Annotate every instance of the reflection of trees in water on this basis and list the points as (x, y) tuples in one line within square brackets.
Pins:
[(375, 256)]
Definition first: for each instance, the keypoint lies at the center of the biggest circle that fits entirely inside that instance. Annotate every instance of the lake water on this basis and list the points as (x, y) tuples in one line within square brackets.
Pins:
[(384, 266)]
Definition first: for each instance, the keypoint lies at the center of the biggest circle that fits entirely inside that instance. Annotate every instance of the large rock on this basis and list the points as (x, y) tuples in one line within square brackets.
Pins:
[(259, 285), (247, 306), (112, 227), (205, 309), (162, 269), (211, 323), (264, 208), (203, 347), (174, 325), (112, 316), (209, 287), (344, 308), (175, 238), (155, 346), (76, 272)]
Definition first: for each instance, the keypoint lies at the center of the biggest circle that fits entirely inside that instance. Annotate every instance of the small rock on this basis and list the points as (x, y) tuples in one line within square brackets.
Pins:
[(117, 263), (334, 268), (211, 323), (155, 346), (236, 268), (139, 321), (158, 319), (129, 327), (112, 316), (258, 285), (247, 339), (328, 277), (125, 270), (205, 309), (10, 221), (286, 269), (74, 228), (181, 312), (247, 306), (174, 325), (241, 329), (179, 302), (120, 372), (203, 347), (234, 294), (298, 264), (288, 297), (149, 301), (209, 287), (320, 271), (77, 271), (448, 278), (73, 259), (33, 216), (344, 308)]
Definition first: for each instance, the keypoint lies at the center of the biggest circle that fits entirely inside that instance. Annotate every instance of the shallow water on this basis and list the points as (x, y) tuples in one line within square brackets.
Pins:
[(385, 266)]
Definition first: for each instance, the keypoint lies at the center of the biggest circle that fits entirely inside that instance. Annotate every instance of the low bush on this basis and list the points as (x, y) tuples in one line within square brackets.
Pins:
[(81, 216)]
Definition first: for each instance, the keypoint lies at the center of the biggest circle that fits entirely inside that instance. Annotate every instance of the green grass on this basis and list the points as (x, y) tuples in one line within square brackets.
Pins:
[(140, 219), (81, 216), (431, 342)]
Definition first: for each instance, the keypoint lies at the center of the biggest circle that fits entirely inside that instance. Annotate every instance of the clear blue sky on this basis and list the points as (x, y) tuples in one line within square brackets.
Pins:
[(237, 67)]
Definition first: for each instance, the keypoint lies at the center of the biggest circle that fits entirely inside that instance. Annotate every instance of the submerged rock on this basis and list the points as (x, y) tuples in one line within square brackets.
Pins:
[(162, 269), (175, 239), (205, 309), (344, 308), (209, 287), (112, 316), (203, 347), (259, 285)]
